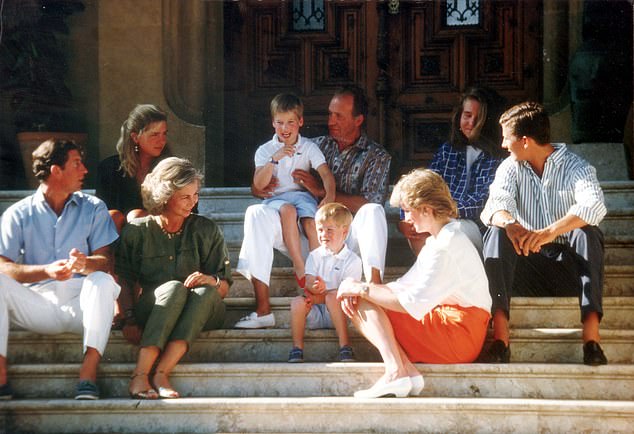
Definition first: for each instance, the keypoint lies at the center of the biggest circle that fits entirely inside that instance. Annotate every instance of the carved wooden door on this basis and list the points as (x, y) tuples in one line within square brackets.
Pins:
[(408, 56), (437, 49)]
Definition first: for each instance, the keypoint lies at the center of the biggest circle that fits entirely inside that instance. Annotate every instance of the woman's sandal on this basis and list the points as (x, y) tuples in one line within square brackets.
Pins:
[(145, 394), (166, 392)]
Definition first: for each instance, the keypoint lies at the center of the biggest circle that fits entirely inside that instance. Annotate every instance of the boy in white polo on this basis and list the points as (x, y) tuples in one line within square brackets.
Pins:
[(326, 267), (286, 152)]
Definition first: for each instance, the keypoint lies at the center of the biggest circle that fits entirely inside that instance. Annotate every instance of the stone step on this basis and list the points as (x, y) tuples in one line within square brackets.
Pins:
[(619, 281), (227, 205), (526, 312), (537, 345), (618, 194), (317, 414), (515, 380)]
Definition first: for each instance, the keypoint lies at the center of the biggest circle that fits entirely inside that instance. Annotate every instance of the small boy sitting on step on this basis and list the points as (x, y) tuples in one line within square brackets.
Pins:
[(326, 267)]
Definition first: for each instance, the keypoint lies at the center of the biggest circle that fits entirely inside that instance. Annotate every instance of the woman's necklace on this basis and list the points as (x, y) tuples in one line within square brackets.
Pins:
[(170, 235)]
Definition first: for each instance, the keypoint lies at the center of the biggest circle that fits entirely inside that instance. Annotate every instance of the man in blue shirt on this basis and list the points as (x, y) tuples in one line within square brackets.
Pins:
[(54, 262)]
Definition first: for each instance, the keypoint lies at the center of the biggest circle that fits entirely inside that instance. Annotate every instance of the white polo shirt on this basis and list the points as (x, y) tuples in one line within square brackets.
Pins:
[(307, 155), (334, 268)]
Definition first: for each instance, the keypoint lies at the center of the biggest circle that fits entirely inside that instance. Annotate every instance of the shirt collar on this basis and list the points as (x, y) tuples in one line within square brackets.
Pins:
[(557, 156), (343, 253), (362, 142), (38, 197), (280, 143)]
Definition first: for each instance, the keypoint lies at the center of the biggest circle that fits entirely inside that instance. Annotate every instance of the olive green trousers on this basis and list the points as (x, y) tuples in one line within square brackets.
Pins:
[(173, 312)]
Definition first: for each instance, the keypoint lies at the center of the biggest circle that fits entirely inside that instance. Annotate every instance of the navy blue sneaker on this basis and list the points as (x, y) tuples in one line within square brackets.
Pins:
[(86, 389), (6, 392), (296, 355), (346, 354)]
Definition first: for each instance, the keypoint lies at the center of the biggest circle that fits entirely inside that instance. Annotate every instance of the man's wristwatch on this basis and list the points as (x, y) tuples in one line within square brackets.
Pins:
[(510, 221), (272, 161), (365, 289)]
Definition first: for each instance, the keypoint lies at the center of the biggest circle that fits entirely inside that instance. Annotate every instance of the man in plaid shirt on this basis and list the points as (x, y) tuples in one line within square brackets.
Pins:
[(361, 168)]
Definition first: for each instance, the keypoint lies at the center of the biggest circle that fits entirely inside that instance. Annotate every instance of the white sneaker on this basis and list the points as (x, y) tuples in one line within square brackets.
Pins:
[(253, 321)]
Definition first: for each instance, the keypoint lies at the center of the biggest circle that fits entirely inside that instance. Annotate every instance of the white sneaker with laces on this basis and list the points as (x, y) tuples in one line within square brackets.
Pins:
[(253, 321)]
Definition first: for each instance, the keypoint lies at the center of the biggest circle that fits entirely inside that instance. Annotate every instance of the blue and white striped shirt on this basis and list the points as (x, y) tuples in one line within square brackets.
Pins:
[(569, 185)]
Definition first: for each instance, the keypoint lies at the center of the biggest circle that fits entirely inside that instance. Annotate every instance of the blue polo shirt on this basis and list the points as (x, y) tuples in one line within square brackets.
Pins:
[(32, 234)]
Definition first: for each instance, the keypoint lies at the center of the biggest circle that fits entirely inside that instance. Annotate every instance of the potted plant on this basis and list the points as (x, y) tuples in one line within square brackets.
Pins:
[(33, 67)]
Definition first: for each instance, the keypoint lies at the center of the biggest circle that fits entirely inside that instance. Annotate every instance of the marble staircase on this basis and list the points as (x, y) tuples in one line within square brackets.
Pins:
[(239, 381)]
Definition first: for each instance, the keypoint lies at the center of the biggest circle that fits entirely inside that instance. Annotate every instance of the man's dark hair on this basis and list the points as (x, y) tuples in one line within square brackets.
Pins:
[(52, 152), (360, 101), (528, 119)]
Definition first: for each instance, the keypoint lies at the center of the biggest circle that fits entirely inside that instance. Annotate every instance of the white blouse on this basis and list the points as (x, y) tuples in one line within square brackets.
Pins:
[(448, 270)]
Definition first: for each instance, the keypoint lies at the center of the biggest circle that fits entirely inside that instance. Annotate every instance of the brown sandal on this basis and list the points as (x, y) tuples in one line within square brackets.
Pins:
[(145, 394)]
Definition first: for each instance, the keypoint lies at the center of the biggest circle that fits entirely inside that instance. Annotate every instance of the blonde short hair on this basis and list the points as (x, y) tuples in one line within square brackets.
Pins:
[(424, 187), (336, 212), (169, 176), (287, 102)]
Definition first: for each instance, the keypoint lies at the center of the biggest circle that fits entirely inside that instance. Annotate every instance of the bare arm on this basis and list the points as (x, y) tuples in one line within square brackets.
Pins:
[(267, 191), (62, 269), (352, 202), (378, 294), (328, 181), (263, 174)]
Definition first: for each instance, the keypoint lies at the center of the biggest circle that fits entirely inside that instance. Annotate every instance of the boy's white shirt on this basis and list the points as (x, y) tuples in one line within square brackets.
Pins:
[(334, 268), (307, 156)]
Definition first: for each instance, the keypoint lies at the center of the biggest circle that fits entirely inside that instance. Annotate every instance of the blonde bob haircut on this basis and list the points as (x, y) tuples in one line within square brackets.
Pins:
[(336, 212), (424, 187), (169, 176)]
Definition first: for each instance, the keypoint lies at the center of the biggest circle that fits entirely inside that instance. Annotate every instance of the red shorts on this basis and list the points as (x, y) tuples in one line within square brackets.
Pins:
[(447, 334)]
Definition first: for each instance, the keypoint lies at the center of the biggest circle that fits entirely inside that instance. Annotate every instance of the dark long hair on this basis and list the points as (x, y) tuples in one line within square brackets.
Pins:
[(489, 138)]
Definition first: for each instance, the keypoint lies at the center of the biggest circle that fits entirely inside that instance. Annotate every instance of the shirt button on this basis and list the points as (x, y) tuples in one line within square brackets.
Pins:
[(171, 258)]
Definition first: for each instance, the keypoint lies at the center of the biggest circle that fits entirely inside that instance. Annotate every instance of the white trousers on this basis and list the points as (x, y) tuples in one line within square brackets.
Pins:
[(79, 305), (263, 233)]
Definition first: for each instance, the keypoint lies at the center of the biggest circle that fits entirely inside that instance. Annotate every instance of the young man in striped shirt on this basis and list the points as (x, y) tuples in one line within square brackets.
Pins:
[(543, 212)]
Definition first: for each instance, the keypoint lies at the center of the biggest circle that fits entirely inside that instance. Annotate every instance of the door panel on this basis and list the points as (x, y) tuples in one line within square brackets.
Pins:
[(412, 65), (265, 56)]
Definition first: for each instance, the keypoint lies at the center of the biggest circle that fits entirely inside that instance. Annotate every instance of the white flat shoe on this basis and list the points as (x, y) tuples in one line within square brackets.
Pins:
[(399, 388), (418, 383)]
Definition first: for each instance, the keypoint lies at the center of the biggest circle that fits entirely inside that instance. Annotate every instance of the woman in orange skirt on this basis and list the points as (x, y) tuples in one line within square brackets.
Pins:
[(438, 311)]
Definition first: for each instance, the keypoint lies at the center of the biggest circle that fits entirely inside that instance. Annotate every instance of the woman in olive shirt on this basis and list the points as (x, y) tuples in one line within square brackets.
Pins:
[(179, 261)]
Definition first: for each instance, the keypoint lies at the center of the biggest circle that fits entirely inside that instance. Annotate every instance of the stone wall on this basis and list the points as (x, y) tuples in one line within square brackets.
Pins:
[(116, 63)]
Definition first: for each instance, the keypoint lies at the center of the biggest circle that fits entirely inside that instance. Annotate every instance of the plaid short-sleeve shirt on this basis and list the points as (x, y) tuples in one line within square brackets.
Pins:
[(362, 169)]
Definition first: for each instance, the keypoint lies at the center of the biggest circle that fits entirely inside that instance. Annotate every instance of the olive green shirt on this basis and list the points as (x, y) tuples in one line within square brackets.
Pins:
[(147, 255)]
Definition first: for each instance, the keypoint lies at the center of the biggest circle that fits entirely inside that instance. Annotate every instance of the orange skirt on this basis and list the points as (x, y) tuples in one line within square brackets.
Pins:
[(447, 334)]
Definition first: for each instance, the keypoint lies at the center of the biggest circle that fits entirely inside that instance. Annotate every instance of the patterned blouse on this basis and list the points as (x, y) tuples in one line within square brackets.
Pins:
[(362, 169), (469, 190)]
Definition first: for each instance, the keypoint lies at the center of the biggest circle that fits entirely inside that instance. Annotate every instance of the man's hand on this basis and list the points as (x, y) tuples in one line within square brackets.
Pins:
[(309, 182), (76, 261), (518, 235), (267, 191), (59, 270), (536, 239)]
